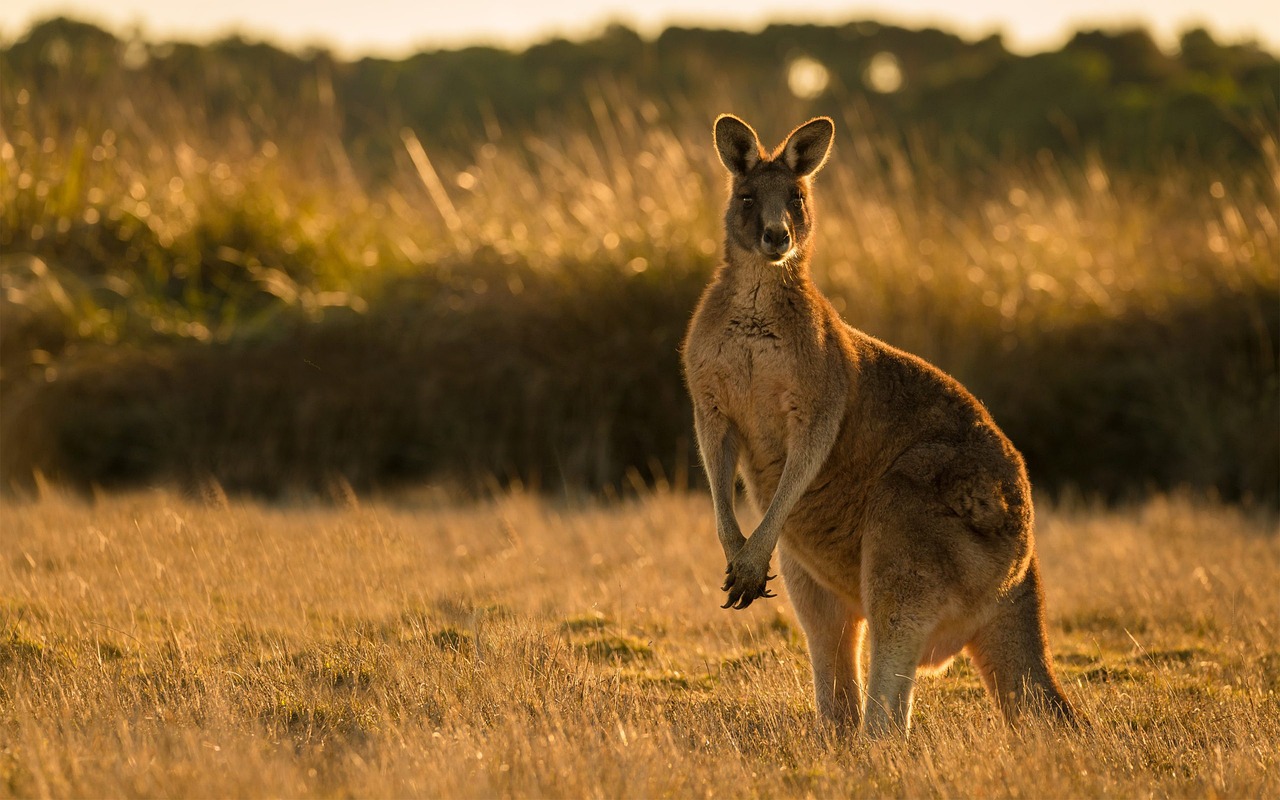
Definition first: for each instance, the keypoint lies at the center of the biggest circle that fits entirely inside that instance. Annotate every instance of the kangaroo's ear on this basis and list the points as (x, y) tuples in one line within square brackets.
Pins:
[(807, 148), (737, 144)]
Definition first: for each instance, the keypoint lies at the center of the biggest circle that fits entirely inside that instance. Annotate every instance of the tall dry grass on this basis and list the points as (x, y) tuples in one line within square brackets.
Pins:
[(247, 304), (152, 644)]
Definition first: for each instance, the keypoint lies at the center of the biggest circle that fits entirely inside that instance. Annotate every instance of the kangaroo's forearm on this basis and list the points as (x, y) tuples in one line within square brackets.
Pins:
[(805, 456), (719, 448), (722, 494)]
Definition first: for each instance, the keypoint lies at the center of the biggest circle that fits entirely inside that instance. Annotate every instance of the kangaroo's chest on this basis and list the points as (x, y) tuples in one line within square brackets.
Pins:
[(751, 373), (749, 355), (753, 365)]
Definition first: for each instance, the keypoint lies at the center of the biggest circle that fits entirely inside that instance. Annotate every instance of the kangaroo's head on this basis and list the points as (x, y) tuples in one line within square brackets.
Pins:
[(769, 213)]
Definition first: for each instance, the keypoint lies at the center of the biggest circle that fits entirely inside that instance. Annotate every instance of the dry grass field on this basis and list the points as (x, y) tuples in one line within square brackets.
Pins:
[(159, 645)]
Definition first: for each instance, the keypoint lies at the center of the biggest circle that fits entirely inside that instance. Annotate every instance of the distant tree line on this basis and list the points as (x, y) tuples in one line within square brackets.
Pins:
[(1116, 93)]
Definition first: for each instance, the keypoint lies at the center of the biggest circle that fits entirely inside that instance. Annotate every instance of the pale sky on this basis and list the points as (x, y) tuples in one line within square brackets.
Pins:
[(398, 27)]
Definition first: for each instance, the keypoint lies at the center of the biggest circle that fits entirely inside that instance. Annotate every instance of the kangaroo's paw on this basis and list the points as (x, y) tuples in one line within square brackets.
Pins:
[(746, 578)]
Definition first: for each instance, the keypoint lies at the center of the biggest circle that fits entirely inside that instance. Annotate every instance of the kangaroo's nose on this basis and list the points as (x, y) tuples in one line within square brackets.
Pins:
[(776, 240)]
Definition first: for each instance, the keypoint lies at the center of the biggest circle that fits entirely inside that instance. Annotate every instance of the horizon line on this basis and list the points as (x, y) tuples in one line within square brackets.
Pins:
[(594, 30)]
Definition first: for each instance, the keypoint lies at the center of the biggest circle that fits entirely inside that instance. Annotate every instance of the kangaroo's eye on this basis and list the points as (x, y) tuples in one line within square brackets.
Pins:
[(747, 200), (797, 200)]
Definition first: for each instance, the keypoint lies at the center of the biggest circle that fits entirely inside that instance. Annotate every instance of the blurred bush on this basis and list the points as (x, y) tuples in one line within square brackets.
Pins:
[(280, 272)]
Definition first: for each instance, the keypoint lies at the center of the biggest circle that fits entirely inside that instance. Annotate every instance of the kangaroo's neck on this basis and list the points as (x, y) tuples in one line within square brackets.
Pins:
[(748, 272)]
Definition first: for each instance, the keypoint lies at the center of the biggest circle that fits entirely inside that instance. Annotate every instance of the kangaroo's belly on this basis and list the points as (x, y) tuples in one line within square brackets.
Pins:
[(835, 566)]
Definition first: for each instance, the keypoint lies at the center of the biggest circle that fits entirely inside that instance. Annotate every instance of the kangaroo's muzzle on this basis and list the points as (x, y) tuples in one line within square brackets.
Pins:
[(775, 242)]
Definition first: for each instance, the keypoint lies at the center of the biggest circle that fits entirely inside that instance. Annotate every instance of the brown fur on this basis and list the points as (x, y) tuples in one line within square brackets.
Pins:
[(898, 507)]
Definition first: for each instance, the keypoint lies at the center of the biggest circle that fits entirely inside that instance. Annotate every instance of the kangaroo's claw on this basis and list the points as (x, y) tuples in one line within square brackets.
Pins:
[(744, 587)]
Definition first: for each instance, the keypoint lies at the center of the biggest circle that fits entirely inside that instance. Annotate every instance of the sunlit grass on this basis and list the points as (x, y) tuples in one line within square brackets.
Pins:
[(174, 232), (151, 644)]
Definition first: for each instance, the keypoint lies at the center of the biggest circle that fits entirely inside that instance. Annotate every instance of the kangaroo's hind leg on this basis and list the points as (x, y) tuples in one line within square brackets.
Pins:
[(896, 645), (1011, 653), (834, 634), (907, 584)]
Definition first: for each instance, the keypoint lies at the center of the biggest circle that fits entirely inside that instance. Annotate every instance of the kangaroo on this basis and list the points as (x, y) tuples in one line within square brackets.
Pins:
[(901, 513)]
